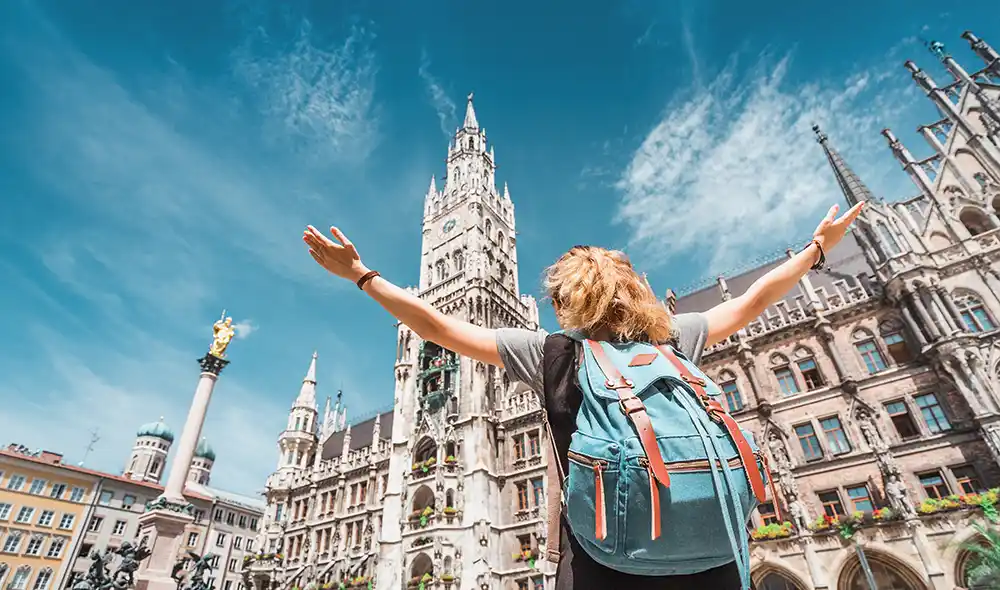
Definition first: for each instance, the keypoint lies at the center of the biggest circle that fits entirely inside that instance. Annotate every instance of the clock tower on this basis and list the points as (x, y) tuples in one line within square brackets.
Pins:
[(446, 508)]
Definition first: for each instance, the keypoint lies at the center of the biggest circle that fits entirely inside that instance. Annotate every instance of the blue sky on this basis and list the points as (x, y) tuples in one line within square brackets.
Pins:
[(159, 160)]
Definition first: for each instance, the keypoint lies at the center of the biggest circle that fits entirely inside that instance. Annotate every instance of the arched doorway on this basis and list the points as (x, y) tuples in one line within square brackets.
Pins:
[(776, 581), (889, 574)]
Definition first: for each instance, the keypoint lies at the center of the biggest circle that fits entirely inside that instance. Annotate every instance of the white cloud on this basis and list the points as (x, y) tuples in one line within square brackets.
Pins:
[(323, 99), (443, 106), (733, 169), (244, 328)]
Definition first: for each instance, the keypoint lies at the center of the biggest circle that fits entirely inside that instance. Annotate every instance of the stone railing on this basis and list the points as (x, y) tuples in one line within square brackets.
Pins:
[(520, 404)]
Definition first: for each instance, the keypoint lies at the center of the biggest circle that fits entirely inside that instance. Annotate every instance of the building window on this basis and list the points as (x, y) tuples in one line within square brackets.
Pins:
[(43, 580), (220, 540), (250, 542), (966, 479), (13, 541), (95, 524), (861, 500), (524, 542), (192, 539), (218, 515), (518, 447), (57, 491), (836, 439), (538, 491), (37, 487), (897, 347), (934, 485), (831, 503), (522, 496), (34, 546), (811, 448), (238, 543), (243, 521), (231, 518), (56, 548), (786, 381), (767, 515), (76, 495), (871, 356), (734, 401), (106, 497), (119, 529), (974, 313), (24, 515), (522, 584), (902, 420), (46, 517), (5, 510), (810, 374), (534, 449), (128, 501), (933, 415), (199, 515), (232, 565), (253, 521), (66, 522), (85, 550), (15, 483)]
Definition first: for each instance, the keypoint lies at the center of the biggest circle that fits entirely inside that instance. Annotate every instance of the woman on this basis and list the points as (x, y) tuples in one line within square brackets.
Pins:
[(597, 292)]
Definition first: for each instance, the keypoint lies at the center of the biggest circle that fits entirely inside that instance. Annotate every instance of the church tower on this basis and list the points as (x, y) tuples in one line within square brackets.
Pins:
[(149, 453), (446, 474), (297, 443)]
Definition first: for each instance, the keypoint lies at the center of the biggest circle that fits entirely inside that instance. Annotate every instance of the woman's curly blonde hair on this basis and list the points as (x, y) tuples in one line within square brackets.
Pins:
[(595, 289)]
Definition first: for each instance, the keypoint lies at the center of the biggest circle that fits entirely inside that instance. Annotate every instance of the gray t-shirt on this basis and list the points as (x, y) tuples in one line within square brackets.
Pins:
[(521, 350)]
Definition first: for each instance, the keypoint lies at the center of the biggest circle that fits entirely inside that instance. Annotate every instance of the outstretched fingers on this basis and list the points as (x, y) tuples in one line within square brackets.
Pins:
[(853, 213)]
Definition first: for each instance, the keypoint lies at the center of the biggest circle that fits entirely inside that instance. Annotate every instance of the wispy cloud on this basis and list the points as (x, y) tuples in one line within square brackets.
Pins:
[(733, 168), (443, 106), (322, 98), (177, 208)]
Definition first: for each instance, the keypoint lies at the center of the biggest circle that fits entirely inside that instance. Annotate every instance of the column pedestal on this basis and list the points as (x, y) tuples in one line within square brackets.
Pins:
[(165, 524)]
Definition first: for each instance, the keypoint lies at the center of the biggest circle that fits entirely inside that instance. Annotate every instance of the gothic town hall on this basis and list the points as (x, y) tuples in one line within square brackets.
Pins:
[(874, 387)]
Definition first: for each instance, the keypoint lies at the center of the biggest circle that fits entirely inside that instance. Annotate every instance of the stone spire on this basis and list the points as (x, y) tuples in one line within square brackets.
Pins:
[(470, 115), (347, 444), (851, 185), (307, 394), (433, 188), (376, 431), (983, 50), (506, 192)]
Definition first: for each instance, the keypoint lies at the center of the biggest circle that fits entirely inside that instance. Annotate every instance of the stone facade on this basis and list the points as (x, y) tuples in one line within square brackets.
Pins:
[(874, 388)]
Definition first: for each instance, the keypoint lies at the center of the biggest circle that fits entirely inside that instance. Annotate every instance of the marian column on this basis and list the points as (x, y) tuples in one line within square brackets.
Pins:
[(167, 517)]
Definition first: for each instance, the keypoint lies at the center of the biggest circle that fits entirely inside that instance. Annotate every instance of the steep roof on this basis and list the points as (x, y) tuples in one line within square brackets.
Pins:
[(361, 435)]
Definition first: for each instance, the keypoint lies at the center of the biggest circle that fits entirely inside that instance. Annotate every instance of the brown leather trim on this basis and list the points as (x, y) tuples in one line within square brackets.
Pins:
[(643, 360), (719, 414), (632, 407)]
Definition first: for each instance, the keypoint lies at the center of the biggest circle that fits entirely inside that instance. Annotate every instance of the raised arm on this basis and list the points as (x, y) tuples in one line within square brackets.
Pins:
[(430, 324), (728, 317)]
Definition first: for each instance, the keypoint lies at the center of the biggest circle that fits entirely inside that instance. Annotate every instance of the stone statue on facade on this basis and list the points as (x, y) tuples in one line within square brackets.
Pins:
[(899, 496), (866, 423), (778, 452), (798, 513)]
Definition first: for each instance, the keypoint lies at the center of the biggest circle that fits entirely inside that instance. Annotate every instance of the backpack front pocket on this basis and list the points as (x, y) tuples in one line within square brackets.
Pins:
[(682, 522), (592, 500)]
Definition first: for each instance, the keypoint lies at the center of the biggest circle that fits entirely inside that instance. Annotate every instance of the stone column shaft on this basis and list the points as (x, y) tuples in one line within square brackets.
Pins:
[(174, 490), (941, 313), (918, 304), (911, 323), (949, 306)]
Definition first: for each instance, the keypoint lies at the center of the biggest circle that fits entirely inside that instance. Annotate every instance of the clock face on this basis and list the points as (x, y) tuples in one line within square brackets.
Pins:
[(449, 225)]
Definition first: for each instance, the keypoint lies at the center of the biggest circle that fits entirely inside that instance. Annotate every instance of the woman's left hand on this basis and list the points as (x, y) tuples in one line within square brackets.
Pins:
[(833, 229)]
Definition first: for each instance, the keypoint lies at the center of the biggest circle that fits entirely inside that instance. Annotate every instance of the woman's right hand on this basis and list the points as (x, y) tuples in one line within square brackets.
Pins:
[(340, 259)]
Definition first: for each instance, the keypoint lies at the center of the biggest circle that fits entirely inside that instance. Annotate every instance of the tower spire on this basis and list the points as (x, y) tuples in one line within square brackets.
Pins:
[(855, 191), (307, 395), (470, 115), (983, 50)]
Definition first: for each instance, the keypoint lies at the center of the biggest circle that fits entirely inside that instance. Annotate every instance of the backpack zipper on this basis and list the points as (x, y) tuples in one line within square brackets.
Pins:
[(699, 465), (600, 514)]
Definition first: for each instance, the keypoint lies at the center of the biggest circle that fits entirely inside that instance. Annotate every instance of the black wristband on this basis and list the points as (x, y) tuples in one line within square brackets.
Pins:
[(367, 277), (821, 261)]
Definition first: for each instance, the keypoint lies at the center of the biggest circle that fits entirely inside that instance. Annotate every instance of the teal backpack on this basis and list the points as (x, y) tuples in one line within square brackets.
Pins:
[(662, 480)]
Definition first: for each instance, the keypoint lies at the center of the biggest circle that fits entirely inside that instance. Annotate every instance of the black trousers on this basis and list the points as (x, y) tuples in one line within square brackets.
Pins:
[(577, 571)]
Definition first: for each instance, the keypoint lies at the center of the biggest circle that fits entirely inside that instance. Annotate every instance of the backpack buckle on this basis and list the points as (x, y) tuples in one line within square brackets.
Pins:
[(631, 405), (622, 384), (694, 380)]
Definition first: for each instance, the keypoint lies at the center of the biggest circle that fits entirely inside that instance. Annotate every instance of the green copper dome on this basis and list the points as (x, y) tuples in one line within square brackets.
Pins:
[(157, 429), (204, 450)]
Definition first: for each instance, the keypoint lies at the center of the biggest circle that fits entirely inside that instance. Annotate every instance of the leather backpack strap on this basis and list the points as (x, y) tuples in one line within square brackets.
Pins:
[(719, 414), (632, 407), (553, 498)]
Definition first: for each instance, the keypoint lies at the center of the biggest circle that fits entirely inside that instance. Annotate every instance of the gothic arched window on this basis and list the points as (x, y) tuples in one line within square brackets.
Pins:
[(489, 229), (888, 240), (734, 400), (868, 350), (459, 260), (472, 143), (783, 374), (974, 313), (893, 336), (975, 220)]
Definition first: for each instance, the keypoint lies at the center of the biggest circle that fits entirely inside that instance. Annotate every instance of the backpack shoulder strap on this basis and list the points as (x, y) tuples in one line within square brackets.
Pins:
[(719, 414), (553, 497)]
